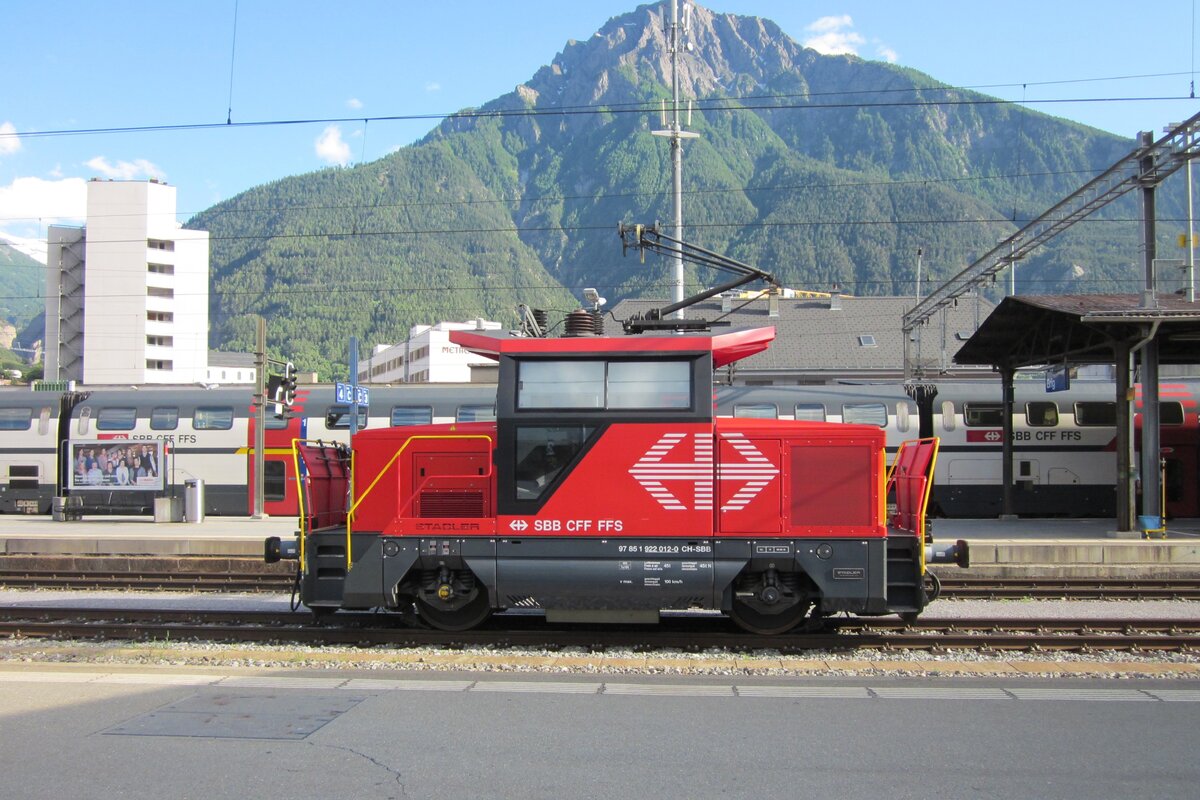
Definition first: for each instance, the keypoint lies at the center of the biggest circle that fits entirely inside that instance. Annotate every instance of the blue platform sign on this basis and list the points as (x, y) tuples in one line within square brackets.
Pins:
[(344, 392), (1058, 379)]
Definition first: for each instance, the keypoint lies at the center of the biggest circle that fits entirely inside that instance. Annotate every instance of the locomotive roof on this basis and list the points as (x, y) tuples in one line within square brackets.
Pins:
[(726, 346)]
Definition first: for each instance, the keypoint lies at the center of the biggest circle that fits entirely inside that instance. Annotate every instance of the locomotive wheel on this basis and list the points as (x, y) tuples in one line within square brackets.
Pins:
[(754, 621), (460, 619)]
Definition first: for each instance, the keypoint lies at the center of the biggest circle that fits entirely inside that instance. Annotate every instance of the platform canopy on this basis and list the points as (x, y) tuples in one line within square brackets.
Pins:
[(726, 346), (1029, 330)]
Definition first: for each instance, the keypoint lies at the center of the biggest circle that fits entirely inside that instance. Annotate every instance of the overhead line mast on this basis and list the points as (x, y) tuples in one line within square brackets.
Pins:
[(676, 134)]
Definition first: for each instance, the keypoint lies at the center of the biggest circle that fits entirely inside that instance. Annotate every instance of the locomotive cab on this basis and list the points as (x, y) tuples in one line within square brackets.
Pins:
[(607, 491)]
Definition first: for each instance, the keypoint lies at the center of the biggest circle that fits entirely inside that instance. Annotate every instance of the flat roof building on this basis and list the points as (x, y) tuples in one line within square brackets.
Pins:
[(127, 294), (428, 356)]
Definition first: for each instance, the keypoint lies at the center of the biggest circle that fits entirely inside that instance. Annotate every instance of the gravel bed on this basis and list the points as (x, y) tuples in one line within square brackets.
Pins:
[(765, 662)]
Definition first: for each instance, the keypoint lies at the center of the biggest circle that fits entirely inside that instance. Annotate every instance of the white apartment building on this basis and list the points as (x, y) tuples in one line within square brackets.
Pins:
[(127, 294), (428, 356)]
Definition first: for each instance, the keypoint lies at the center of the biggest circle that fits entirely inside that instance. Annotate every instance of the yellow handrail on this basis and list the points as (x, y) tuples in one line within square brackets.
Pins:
[(354, 506), (303, 518)]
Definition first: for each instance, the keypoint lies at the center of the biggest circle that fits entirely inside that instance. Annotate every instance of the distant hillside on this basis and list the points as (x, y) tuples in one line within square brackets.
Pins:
[(822, 169), (22, 289)]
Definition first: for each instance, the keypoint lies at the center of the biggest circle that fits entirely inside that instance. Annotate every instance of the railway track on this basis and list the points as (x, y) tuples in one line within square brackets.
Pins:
[(693, 634), (953, 587)]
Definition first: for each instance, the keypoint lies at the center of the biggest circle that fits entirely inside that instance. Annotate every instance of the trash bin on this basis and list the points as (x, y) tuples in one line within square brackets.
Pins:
[(193, 500)]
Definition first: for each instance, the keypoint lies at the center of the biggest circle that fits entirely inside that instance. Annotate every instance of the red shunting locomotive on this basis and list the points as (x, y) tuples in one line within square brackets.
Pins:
[(608, 491)]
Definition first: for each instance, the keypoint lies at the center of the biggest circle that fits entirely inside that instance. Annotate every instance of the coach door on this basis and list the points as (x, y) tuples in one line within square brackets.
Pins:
[(279, 468)]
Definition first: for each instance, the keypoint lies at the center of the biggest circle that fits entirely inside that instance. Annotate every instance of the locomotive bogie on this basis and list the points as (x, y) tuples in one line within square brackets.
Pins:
[(770, 584)]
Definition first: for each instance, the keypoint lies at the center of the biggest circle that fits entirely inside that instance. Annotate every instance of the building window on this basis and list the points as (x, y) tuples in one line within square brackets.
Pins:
[(866, 340), (159, 341), (160, 244), (159, 363), (161, 269), (160, 316), (159, 291)]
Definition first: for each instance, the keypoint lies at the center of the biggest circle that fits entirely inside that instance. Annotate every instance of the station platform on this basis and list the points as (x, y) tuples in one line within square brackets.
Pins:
[(1050, 548)]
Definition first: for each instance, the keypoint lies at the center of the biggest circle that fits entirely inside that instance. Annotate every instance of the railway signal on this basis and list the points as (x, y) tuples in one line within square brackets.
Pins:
[(288, 387)]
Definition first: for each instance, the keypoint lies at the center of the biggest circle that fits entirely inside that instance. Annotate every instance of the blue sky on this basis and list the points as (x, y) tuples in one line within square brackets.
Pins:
[(80, 64)]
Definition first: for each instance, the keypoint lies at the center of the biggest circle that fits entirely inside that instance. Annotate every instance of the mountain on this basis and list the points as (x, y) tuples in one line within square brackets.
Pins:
[(23, 279), (821, 169)]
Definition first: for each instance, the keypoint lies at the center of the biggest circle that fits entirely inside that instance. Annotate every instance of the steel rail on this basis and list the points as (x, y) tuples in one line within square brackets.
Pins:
[(953, 587), (688, 634)]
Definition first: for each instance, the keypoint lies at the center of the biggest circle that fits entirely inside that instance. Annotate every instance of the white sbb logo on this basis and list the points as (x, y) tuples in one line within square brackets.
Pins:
[(654, 471)]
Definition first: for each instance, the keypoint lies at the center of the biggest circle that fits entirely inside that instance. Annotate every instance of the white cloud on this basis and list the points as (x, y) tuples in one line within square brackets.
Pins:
[(28, 201), (433, 87), (834, 36), (126, 170), (331, 148), (831, 24), (9, 141), (354, 103)]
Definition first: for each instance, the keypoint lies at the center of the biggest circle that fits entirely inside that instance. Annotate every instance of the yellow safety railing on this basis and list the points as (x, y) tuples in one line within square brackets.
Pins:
[(356, 503), (304, 522), (923, 505)]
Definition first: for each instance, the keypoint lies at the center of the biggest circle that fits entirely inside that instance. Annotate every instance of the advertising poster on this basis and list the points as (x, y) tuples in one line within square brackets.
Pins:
[(118, 464)]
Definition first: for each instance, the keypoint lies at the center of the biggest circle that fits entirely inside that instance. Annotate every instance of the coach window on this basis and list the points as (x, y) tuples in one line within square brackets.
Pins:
[(756, 410), (474, 413), (649, 384), (865, 414), (1041, 415), (24, 476), (16, 419), (337, 418), (164, 418), (983, 415), (1170, 413), (274, 480), (542, 453), (810, 412), (116, 419), (561, 384), (213, 418), (1096, 414), (403, 416)]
